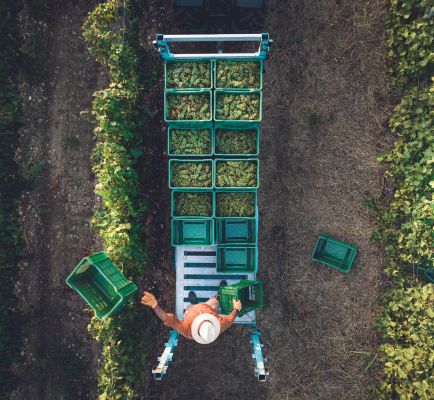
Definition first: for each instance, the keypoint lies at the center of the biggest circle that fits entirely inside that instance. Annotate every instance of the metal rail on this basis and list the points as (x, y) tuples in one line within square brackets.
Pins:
[(260, 371), (161, 44), (163, 361)]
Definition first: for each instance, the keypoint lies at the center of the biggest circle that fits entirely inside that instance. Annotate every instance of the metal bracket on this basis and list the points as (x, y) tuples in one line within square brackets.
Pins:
[(163, 361), (260, 371), (161, 44)]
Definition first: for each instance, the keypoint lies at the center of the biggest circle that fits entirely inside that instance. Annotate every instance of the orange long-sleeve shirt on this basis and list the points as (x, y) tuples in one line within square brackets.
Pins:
[(184, 326)]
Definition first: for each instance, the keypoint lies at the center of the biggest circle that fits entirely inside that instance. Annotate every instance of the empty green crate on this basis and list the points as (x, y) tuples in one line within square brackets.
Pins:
[(101, 284), (237, 122), (236, 231), (217, 85), (243, 161), (218, 143), (192, 232), (172, 167), (204, 61), (240, 207), (202, 207), (191, 148), (334, 253), (237, 259), (250, 293), (187, 122)]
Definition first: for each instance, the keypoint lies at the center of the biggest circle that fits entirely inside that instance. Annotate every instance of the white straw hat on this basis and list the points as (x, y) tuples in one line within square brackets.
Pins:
[(205, 328)]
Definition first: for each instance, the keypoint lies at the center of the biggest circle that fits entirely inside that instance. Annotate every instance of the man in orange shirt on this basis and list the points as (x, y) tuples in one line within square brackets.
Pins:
[(201, 322)]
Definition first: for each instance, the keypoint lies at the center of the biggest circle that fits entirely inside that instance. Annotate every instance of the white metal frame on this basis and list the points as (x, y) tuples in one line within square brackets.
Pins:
[(162, 45)]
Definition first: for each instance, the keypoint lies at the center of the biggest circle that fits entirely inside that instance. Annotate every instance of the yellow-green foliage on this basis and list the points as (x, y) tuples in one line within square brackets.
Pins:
[(410, 40), (118, 166), (406, 220), (407, 352)]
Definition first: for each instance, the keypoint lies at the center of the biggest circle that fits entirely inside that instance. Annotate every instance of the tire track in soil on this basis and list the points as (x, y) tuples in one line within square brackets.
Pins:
[(60, 359)]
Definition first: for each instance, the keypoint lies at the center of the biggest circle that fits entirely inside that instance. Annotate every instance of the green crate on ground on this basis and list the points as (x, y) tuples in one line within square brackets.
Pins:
[(192, 232), (196, 69), (190, 142), (101, 284), (241, 97), (236, 141), (236, 231), (194, 173), (234, 83), (196, 203), (334, 253), (188, 107), (237, 259), (236, 173), (250, 293), (235, 203)]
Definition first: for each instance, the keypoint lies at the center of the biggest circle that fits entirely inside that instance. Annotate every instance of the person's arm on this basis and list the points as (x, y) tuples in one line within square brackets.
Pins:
[(160, 313), (228, 320), (149, 300), (168, 319)]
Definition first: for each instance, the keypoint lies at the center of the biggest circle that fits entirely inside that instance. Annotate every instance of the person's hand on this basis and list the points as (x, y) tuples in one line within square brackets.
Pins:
[(237, 305), (149, 300)]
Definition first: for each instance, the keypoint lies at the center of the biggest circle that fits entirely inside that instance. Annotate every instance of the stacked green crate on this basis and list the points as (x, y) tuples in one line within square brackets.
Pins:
[(188, 113), (237, 113), (213, 109)]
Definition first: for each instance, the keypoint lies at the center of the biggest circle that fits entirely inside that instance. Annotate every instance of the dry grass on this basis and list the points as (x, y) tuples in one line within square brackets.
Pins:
[(325, 104)]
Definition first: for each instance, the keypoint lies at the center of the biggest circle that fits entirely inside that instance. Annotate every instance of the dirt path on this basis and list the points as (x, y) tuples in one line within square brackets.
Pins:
[(325, 103), (60, 359)]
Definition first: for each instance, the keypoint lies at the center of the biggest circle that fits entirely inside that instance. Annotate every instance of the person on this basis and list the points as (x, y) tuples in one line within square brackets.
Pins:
[(201, 322)]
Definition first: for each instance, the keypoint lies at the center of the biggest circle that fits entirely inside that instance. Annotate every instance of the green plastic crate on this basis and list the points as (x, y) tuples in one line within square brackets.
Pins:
[(250, 293), (101, 284), (221, 160), (211, 76), (171, 152), (217, 132), (222, 192), (334, 253), (237, 259), (236, 122), (261, 71), (175, 160), (236, 231), (192, 232), (187, 122), (175, 193)]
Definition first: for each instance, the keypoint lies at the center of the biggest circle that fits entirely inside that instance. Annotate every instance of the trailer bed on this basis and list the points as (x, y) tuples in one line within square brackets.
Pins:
[(196, 271)]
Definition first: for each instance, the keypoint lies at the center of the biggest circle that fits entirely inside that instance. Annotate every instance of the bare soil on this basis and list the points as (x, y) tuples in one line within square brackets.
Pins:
[(59, 358), (325, 105)]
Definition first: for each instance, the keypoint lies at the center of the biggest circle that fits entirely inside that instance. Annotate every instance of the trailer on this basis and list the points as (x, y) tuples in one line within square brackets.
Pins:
[(210, 243)]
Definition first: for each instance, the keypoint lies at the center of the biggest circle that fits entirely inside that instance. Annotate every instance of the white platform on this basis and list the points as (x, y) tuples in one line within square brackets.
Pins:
[(196, 270)]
